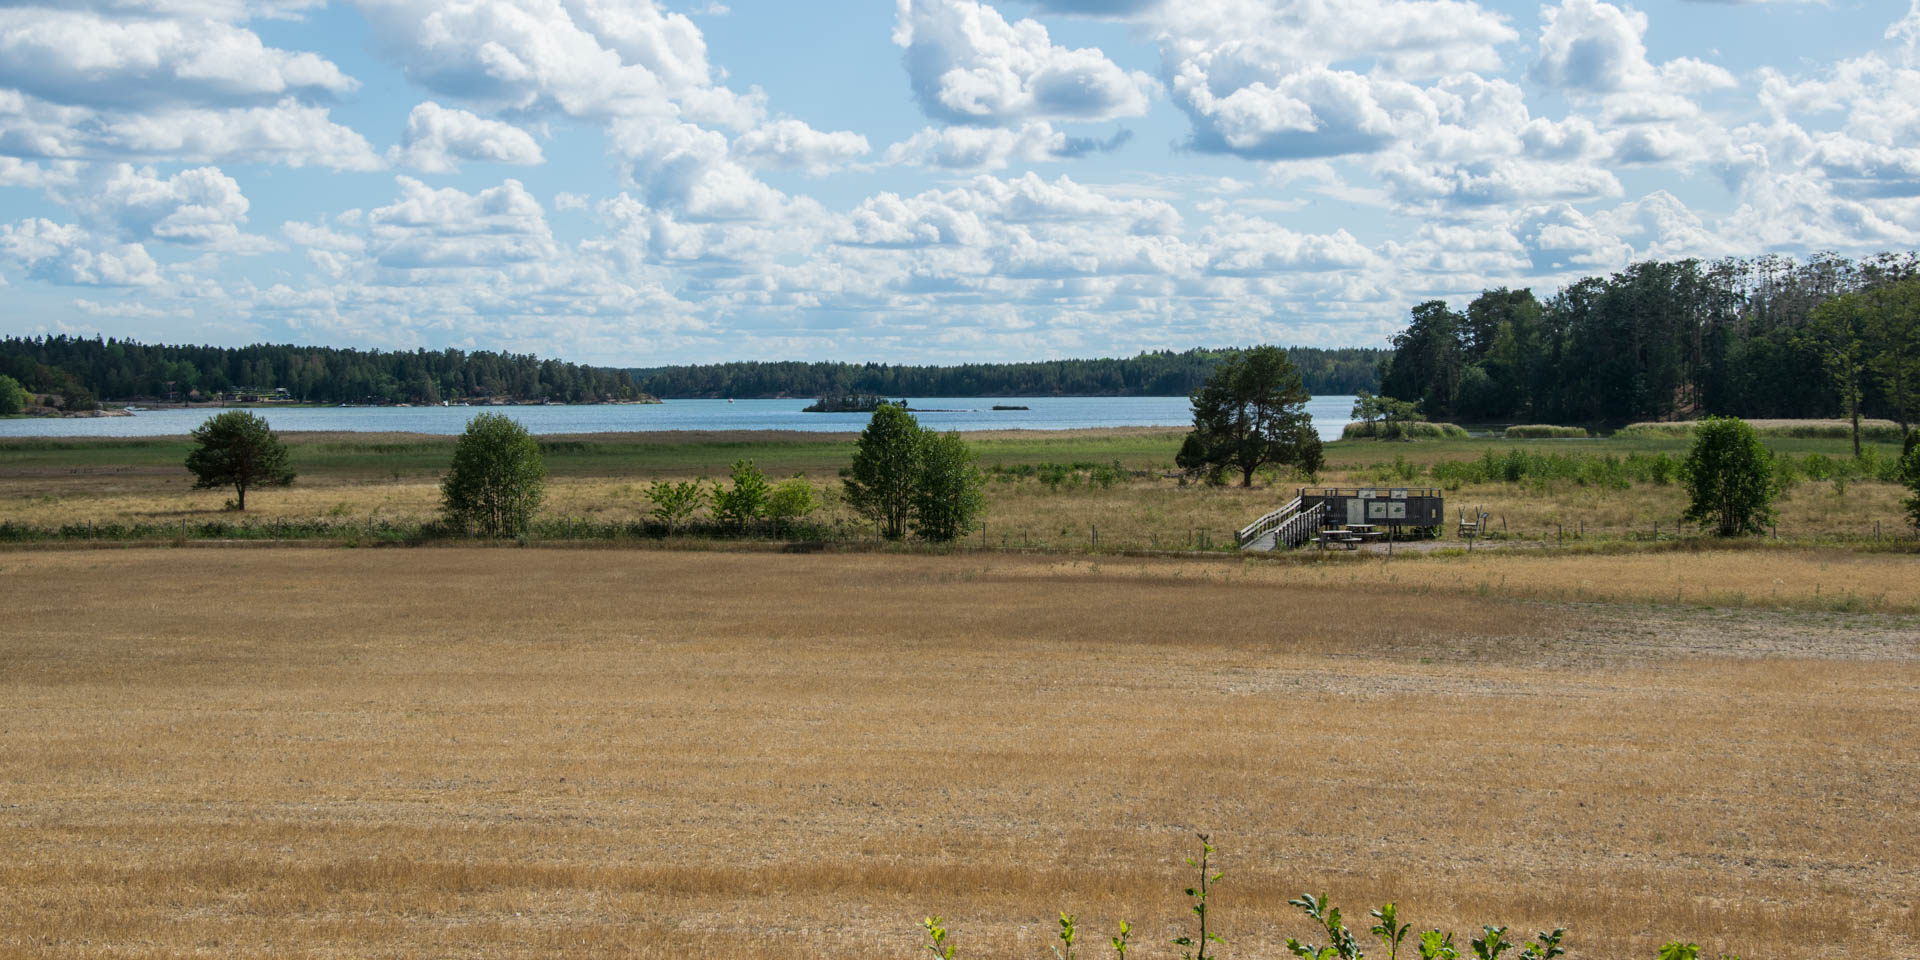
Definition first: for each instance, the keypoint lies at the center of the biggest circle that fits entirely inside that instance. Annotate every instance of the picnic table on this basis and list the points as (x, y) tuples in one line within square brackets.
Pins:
[(1350, 536)]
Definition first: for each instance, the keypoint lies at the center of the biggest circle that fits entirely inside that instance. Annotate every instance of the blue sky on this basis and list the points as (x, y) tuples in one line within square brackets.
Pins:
[(629, 182)]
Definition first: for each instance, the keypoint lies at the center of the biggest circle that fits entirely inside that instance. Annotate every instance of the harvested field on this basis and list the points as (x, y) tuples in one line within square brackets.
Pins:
[(513, 753)]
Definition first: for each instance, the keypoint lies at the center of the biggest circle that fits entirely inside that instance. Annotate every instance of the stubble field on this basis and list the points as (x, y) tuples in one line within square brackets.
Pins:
[(532, 753)]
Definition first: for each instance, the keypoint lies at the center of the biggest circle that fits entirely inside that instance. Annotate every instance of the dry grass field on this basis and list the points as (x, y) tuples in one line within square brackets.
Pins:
[(1140, 513), (534, 753)]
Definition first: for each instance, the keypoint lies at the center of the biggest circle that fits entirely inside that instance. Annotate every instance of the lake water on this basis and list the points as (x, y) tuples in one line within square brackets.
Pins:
[(940, 413)]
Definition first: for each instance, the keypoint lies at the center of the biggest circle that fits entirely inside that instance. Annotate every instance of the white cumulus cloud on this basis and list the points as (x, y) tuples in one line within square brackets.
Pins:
[(968, 65), (438, 138)]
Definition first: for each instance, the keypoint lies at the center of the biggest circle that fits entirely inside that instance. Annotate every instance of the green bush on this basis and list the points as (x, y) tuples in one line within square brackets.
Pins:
[(675, 503), (1541, 431), (792, 499)]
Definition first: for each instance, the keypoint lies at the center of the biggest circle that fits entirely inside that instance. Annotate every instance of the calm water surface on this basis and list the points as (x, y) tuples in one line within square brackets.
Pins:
[(940, 413)]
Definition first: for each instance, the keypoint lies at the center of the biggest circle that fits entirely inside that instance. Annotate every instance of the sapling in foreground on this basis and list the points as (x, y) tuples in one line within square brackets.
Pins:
[(1199, 897)]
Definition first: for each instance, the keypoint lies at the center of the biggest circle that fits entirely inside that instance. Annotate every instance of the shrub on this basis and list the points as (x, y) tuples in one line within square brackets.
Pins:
[(1541, 431), (792, 499), (497, 479), (674, 503), (745, 501), (237, 449)]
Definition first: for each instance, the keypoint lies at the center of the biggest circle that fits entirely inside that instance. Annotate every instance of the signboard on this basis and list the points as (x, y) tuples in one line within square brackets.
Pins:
[(1368, 493), (1398, 493), (1397, 510), (1377, 510)]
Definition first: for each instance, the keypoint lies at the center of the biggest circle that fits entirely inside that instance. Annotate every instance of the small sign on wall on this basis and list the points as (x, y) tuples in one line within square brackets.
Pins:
[(1368, 493), (1398, 493)]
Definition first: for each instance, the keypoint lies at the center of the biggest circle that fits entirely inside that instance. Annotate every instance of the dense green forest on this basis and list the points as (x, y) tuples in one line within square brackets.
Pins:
[(82, 369), (1762, 337), (1156, 374)]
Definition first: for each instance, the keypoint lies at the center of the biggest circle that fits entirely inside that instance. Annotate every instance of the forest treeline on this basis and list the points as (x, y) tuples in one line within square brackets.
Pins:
[(1758, 337), (82, 369), (1154, 374)]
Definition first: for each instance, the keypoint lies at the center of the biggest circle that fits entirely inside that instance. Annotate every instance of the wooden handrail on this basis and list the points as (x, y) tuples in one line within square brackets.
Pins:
[(1253, 530)]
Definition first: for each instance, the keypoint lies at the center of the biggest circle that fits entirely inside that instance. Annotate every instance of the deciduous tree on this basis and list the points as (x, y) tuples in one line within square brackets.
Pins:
[(948, 492), (237, 449), (1729, 476), (13, 397), (498, 478), (886, 460)]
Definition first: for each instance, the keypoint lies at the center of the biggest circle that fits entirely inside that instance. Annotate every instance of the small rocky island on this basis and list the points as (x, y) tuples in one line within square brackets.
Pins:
[(848, 403)]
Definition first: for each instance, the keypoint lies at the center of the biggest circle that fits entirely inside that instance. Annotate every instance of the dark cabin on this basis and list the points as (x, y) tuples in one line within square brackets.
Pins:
[(1394, 507)]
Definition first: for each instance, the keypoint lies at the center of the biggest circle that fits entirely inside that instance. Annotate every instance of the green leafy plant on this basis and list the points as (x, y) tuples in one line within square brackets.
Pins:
[(1341, 944), (1435, 945), (1198, 895), (1123, 942), (937, 938), (1491, 943), (1390, 936), (1545, 948), (1065, 951)]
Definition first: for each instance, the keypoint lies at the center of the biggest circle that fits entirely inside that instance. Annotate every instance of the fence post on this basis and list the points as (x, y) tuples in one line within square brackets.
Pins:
[(1094, 536)]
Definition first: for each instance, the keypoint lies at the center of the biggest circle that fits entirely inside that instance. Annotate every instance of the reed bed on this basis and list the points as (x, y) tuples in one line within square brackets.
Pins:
[(1542, 431), (1881, 431)]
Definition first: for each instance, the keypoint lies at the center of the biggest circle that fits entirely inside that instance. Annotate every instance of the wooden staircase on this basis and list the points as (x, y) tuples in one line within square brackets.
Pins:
[(1288, 527)]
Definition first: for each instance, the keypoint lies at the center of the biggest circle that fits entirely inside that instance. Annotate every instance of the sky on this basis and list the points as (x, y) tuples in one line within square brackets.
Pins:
[(628, 182)]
